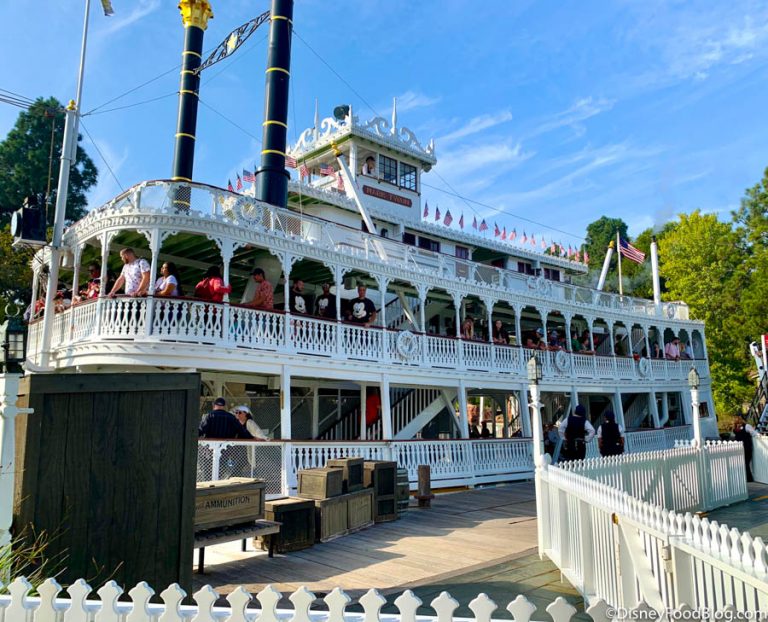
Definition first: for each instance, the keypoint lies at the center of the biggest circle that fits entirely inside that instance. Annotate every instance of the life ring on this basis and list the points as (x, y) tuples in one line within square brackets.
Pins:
[(644, 367), (407, 345), (562, 361)]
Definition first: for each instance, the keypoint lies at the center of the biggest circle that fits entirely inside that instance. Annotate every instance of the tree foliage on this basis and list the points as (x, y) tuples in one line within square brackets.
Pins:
[(16, 274), (25, 162)]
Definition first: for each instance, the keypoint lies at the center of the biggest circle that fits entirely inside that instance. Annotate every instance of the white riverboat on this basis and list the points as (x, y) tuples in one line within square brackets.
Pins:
[(425, 279)]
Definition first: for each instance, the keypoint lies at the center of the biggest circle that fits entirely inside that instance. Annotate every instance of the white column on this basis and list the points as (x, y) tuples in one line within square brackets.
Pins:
[(386, 410), (463, 416), (9, 393), (422, 291), (665, 408), (457, 309), (315, 412), (655, 273), (106, 237), (568, 345), (519, 341), (489, 316), (154, 249), (654, 409), (78, 253), (285, 404), (618, 408), (227, 250), (338, 277), (695, 415), (538, 436), (525, 413), (363, 400), (611, 339)]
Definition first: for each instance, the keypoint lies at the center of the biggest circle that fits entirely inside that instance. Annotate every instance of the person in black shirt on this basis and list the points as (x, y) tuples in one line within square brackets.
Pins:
[(499, 334), (325, 306), (363, 310), (220, 423), (297, 300)]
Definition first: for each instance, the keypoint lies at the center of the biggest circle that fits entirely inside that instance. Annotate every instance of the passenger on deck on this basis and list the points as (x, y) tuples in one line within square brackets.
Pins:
[(93, 285), (586, 346), (168, 283), (296, 299), (212, 287), (369, 167), (672, 350), (576, 432), (610, 436), (468, 328), (325, 305), (536, 341), (744, 436), (550, 439), (264, 297), (473, 431), (686, 351), (363, 311), (244, 416), (499, 334), (134, 276), (554, 341), (657, 352), (484, 431), (575, 343), (220, 423)]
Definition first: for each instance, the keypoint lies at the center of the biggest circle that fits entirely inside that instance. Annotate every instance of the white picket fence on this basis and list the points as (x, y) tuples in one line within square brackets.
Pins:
[(615, 546), (760, 459), (683, 478)]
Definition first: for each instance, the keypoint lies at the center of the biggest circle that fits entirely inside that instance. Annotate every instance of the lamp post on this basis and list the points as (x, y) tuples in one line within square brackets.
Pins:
[(13, 341), (534, 377), (693, 383)]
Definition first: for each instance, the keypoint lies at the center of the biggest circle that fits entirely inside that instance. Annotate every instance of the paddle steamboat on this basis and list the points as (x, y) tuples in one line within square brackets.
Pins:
[(456, 314)]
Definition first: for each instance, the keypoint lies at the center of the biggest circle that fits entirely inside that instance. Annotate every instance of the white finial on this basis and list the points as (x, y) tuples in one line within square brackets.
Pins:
[(317, 120), (349, 115), (394, 116)]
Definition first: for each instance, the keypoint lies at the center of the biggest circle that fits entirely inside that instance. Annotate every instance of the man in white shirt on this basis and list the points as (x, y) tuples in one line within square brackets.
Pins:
[(369, 168), (135, 275)]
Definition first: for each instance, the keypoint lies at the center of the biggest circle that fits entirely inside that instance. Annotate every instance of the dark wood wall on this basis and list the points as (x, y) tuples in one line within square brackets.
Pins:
[(106, 465)]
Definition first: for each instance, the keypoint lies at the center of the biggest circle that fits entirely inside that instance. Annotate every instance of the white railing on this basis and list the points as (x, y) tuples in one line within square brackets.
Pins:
[(684, 478), (140, 604), (411, 406), (239, 210), (647, 440), (229, 326), (615, 546), (451, 462)]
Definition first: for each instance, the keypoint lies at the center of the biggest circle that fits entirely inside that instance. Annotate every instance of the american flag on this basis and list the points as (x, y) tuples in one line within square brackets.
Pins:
[(630, 252), (437, 213), (340, 183), (553, 249), (290, 162), (461, 220), (304, 170), (513, 235), (248, 176), (239, 185), (426, 209), (586, 256), (327, 169), (448, 219), (496, 230), (504, 233), (525, 237), (563, 252), (570, 251), (543, 243), (229, 185), (483, 226), (577, 256), (533, 240), (474, 222)]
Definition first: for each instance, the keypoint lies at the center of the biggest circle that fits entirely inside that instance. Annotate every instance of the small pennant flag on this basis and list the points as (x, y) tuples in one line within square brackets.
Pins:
[(563, 252), (474, 222), (513, 235), (107, 6), (327, 170), (239, 185), (437, 213), (483, 226), (229, 185), (248, 176), (461, 221), (448, 219), (304, 171), (504, 233), (290, 162), (426, 209)]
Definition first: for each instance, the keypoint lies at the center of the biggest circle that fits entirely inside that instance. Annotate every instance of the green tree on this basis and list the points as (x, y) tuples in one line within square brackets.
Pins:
[(16, 274), (600, 233), (703, 263), (25, 161)]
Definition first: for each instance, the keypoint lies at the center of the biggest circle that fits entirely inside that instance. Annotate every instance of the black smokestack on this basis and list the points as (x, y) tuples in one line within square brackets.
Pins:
[(271, 176)]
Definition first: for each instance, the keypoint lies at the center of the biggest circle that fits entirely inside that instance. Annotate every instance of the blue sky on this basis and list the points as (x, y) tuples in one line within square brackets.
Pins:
[(554, 111)]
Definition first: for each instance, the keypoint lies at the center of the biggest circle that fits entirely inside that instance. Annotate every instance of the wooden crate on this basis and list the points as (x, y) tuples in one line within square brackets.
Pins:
[(360, 509), (331, 518), (320, 483), (228, 502), (403, 492), (297, 518), (353, 472), (382, 477)]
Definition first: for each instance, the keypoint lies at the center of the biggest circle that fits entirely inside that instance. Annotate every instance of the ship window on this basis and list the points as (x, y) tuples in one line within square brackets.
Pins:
[(524, 267), (409, 238), (462, 252), (407, 176), (551, 274), (388, 169), (429, 244)]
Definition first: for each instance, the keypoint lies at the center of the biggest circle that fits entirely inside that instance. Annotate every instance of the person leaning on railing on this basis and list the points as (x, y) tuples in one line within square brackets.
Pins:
[(212, 287), (134, 276)]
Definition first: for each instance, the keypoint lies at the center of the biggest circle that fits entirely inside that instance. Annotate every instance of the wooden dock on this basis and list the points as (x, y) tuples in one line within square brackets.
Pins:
[(462, 533)]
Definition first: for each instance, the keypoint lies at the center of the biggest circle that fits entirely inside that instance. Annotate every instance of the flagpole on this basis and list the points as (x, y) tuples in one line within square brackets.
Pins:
[(618, 248)]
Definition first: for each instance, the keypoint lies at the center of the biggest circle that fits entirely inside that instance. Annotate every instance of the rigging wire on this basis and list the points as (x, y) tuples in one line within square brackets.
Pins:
[(240, 127), (106, 162), (141, 103), (132, 90)]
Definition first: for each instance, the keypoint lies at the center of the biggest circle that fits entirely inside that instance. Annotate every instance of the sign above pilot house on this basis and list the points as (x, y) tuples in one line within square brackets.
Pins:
[(387, 196)]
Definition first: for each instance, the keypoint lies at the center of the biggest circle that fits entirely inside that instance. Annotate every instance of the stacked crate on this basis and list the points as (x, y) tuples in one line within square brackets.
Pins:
[(381, 476)]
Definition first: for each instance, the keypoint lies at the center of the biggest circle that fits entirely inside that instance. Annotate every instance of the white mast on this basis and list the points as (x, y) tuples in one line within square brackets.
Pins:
[(606, 264), (618, 249), (655, 272)]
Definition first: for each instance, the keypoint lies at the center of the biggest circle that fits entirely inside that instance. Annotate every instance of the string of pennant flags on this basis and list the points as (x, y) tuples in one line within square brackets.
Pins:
[(556, 249)]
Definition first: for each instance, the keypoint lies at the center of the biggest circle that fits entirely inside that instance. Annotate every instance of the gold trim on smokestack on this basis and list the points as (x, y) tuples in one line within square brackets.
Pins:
[(195, 13)]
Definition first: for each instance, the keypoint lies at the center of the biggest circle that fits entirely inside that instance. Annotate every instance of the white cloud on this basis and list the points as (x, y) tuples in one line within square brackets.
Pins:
[(410, 100), (477, 124), (123, 19), (107, 187), (581, 110)]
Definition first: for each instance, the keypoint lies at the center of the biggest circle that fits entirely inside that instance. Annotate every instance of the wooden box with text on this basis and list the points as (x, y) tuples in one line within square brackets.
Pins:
[(228, 502)]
